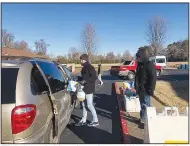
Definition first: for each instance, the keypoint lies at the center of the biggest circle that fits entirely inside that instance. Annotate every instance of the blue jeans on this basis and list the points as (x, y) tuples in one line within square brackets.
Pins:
[(145, 102), (89, 103)]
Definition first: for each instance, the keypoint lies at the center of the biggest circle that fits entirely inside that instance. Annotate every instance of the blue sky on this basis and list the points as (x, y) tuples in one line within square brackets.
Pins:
[(119, 27)]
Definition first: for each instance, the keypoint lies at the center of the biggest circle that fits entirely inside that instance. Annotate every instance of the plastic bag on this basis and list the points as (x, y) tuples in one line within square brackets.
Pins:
[(80, 95), (130, 92), (126, 85), (72, 86), (132, 104)]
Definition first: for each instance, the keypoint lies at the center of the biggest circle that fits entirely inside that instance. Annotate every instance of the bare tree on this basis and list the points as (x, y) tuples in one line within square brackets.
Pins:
[(22, 45), (7, 39), (74, 52), (61, 59), (89, 41), (110, 57), (41, 47), (156, 33), (127, 55)]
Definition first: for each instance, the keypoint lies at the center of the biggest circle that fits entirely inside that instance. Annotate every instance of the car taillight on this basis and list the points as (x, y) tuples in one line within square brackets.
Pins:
[(22, 117), (123, 68)]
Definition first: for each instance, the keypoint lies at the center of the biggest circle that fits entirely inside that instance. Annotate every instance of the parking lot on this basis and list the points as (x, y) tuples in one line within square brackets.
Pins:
[(174, 74), (108, 113), (106, 106)]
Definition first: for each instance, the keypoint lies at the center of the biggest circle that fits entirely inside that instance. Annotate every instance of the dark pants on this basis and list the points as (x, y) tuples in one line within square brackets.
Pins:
[(145, 102)]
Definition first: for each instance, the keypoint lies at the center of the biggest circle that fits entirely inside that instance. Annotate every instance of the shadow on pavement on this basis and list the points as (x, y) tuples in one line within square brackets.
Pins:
[(109, 103), (104, 102), (90, 135), (106, 106)]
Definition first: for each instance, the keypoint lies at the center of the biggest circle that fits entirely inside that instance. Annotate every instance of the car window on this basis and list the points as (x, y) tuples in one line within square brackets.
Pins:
[(8, 85), (153, 60), (38, 84), (126, 62), (64, 74), (67, 72), (53, 75), (160, 60), (132, 62)]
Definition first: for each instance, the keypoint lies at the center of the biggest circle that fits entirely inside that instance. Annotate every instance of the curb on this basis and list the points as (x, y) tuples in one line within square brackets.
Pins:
[(123, 121)]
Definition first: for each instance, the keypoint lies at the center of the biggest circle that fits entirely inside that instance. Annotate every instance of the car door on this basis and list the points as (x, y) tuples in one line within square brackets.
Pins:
[(59, 94), (68, 78)]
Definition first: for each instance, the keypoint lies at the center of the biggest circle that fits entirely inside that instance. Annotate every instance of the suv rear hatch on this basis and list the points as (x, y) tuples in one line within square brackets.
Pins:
[(8, 99)]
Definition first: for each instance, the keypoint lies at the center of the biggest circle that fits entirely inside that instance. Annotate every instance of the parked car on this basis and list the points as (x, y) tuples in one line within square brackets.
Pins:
[(36, 107), (129, 70), (159, 60)]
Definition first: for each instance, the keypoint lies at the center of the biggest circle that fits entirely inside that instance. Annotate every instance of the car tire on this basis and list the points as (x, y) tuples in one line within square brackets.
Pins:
[(131, 75), (158, 72)]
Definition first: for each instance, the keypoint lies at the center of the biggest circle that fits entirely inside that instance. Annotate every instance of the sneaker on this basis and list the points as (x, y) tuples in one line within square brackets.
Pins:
[(100, 84), (93, 124), (81, 123)]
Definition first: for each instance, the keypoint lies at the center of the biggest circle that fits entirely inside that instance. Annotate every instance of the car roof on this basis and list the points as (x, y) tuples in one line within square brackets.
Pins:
[(158, 57), (9, 63), (17, 63)]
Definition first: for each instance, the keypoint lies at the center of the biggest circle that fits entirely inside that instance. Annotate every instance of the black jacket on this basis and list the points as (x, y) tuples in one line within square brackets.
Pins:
[(145, 79), (88, 73)]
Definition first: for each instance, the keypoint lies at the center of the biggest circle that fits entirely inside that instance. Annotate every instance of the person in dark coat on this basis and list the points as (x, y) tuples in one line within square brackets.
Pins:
[(88, 74), (100, 74), (145, 81)]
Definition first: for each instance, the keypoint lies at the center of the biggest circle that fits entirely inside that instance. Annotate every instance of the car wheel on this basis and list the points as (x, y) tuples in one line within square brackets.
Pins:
[(158, 72), (131, 75)]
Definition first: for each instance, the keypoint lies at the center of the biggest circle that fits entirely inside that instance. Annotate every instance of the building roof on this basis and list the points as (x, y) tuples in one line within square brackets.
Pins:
[(19, 53)]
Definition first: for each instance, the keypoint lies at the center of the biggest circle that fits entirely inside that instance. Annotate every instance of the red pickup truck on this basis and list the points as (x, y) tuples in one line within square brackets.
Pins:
[(128, 69)]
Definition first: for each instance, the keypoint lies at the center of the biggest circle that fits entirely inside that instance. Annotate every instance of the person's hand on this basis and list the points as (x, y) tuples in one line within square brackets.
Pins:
[(82, 82), (150, 93)]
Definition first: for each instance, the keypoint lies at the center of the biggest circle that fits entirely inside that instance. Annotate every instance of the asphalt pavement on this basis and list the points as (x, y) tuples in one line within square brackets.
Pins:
[(109, 130), (108, 114), (174, 75)]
